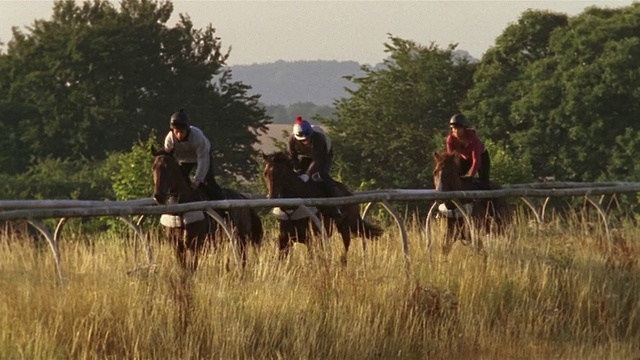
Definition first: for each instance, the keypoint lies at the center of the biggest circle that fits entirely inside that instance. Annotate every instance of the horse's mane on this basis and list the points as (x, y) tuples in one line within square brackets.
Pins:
[(166, 157), (280, 157), (444, 156)]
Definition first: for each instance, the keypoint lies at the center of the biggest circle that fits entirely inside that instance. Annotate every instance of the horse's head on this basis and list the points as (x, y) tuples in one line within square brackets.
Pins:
[(278, 174), (446, 174), (169, 184)]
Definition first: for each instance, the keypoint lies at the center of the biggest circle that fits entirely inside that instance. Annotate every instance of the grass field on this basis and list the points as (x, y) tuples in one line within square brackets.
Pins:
[(557, 290)]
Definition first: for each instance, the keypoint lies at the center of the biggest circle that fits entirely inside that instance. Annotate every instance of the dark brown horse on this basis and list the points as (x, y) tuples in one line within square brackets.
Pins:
[(192, 238), (486, 215), (283, 182)]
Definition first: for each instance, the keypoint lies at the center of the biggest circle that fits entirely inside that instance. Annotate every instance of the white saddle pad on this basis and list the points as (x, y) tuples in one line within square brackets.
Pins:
[(170, 220), (455, 213), (296, 214)]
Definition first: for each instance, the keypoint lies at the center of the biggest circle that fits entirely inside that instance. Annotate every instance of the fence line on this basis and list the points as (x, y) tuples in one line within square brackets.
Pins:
[(35, 210), (24, 209)]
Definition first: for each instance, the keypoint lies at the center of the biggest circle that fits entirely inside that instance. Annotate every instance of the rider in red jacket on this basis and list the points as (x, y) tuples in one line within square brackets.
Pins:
[(474, 156)]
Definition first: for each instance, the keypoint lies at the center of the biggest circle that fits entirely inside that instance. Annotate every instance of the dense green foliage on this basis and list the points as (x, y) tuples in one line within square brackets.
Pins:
[(562, 93), (94, 79), (556, 97), (83, 94), (385, 134)]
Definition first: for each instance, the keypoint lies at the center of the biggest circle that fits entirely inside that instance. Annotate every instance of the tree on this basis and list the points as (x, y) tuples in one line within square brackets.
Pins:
[(94, 79), (385, 133), (565, 108), (497, 80)]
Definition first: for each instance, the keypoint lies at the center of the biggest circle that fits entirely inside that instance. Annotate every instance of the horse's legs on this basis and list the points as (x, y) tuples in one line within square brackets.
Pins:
[(196, 235), (175, 237), (450, 235), (306, 231), (345, 232), (241, 248), (189, 258), (286, 232)]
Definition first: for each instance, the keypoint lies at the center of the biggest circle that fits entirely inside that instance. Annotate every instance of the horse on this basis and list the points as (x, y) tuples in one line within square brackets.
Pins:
[(283, 182), (488, 215), (194, 231)]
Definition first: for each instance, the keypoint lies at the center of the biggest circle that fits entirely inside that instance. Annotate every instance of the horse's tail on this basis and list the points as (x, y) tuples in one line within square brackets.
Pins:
[(257, 231), (366, 230)]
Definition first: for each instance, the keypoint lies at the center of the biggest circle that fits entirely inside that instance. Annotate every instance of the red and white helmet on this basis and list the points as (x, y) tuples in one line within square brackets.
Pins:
[(302, 129)]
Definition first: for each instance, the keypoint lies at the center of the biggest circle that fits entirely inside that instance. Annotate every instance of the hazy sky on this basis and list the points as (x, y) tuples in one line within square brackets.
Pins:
[(266, 31)]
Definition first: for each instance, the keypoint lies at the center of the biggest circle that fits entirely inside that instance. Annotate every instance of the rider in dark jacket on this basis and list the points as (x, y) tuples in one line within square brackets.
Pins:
[(312, 157)]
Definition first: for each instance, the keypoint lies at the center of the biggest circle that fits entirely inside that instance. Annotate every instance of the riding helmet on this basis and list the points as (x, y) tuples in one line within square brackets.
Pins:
[(179, 120), (302, 129), (458, 120)]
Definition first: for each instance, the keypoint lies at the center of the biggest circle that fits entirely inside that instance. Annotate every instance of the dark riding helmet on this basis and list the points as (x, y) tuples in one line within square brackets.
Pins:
[(179, 120), (458, 120)]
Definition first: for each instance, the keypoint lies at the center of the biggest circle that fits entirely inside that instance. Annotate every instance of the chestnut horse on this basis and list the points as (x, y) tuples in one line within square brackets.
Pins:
[(191, 238), (283, 182), (488, 215)]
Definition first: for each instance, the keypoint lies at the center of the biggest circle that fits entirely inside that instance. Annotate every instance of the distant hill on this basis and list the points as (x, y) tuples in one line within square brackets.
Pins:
[(275, 136), (290, 82)]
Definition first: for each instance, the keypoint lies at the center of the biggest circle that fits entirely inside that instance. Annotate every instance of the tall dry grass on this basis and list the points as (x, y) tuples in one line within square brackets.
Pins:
[(558, 290)]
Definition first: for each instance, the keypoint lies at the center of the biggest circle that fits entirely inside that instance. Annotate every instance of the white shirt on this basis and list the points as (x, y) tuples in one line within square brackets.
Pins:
[(194, 149)]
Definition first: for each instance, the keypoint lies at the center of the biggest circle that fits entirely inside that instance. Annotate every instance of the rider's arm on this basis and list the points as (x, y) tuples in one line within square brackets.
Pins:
[(293, 152), (476, 152), (168, 143), (203, 148)]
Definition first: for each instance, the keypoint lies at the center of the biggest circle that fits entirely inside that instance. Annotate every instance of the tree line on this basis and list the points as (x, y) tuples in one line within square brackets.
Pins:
[(83, 94), (555, 97)]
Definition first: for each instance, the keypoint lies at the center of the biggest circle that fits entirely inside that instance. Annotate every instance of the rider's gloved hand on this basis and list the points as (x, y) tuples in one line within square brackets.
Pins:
[(195, 184), (304, 177)]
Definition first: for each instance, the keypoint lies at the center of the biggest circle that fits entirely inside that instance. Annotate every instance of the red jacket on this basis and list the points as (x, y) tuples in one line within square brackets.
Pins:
[(472, 151)]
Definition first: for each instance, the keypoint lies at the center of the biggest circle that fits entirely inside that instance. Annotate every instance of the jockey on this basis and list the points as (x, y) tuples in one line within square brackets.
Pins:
[(474, 155), (191, 149), (312, 156)]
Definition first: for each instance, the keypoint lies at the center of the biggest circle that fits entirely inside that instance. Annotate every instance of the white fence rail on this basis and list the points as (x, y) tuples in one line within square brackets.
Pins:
[(35, 210)]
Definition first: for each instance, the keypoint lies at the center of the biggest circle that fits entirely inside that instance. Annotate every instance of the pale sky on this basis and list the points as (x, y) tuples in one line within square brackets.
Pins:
[(267, 31)]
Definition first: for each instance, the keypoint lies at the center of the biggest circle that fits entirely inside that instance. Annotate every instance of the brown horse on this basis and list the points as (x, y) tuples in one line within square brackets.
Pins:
[(192, 238), (283, 182), (488, 215)]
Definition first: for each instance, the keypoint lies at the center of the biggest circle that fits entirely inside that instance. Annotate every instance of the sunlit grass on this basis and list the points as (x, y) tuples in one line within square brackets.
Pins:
[(556, 290)]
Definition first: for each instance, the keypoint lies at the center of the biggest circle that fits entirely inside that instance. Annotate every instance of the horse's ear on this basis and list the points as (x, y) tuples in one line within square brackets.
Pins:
[(436, 156), (153, 150)]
